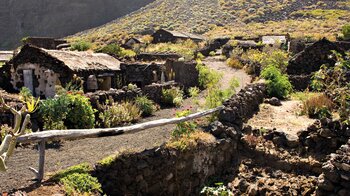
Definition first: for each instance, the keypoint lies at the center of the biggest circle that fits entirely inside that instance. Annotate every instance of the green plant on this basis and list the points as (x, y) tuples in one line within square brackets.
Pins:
[(78, 180), (132, 87), (212, 53), (183, 128), (119, 114), (68, 110), (147, 106), (172, 96), (218, 190), (25, 94), (319, 106), (200, 56), (207, 77), (346, 31), (193, 92), (117, 51), (215, 96), (277, 83), (81, 45), (234, 63)]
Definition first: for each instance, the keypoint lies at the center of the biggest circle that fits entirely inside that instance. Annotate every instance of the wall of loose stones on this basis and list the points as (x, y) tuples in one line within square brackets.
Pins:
[(335, 179), (165, 171)]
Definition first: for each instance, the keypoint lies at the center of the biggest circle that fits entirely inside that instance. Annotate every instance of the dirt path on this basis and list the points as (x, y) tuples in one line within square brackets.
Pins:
[(217, 63), (283, 117)]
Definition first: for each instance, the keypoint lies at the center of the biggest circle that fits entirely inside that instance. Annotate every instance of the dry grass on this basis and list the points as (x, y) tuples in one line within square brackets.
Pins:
[(317, 106), (228, 17), (191, 140)]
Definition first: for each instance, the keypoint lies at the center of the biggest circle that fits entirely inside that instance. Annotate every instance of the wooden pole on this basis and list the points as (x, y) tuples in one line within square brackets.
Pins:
[(41, 161), (88, 133)]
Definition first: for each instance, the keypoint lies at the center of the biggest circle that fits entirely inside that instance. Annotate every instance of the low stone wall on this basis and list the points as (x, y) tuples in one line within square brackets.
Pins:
[(243, 105), (117, 95), (335, 179), (169, 171), (164, 171), (154, 91), (300, 82), (157, 56), (324, 136)]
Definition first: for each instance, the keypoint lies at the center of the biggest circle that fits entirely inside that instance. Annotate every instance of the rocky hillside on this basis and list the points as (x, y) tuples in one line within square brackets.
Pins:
[(229, 17), (60, 18)]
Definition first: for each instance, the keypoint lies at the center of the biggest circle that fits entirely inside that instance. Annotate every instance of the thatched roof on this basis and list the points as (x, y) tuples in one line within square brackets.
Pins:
[(78, 61), (185, 35), (5, 56)]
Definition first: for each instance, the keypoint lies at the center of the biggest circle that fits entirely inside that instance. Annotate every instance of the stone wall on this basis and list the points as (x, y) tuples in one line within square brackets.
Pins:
[(141, 74), (313, 57), (117, 95), (157, 56), (169, 171), (186, 73), (243, 105), (154, 91), (324, 136), (213, 45), (300, 82), (165, 171), (335, 179)]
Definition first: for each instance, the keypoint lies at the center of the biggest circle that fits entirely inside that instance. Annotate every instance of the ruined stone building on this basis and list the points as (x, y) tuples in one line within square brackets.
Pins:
[(44, 42), (164, 36), (40, 70), (5, 56)]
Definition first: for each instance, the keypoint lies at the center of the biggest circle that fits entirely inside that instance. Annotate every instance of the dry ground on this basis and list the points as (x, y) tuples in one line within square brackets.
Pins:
[(283, 117)]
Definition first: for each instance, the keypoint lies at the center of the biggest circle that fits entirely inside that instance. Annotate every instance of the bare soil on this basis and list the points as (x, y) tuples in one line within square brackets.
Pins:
[(285, 117)]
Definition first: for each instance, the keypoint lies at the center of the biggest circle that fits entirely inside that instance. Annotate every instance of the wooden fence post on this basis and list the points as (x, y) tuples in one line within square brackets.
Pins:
[(39, 174)]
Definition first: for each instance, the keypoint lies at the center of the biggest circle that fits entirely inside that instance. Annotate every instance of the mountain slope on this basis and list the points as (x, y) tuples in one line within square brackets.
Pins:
[(229, 17), (20, 18)]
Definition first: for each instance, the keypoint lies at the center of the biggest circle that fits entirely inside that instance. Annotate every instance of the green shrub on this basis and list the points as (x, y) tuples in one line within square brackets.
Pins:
[(207, 77), (218, 190), (172, 96), (78, 180), (212, 53), (278, 84), (117, 51), (200, 56), (346, 31), (216, 96), (193, 91), (68, 110), (120, 113), (147, 106), (183, 128), (319, 106), (81, 45)]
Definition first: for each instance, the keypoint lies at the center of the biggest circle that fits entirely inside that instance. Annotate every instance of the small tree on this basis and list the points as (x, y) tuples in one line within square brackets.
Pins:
[(9, 143)]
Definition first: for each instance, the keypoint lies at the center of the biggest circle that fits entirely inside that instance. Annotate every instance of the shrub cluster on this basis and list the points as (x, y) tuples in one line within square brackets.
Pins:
[(172, 96), (277, 83), (77, 180), (318, 106), (117, 114), (70, 110), (183, 128), (117, 51), (147, 106), (81, 45)]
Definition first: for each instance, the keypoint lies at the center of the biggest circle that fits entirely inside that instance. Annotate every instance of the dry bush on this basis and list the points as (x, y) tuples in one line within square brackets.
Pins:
[(234, 63), (318, 106), (191, 140)]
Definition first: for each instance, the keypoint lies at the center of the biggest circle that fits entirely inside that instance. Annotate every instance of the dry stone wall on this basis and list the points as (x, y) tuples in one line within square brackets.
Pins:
[(335, 179), (168, 171)]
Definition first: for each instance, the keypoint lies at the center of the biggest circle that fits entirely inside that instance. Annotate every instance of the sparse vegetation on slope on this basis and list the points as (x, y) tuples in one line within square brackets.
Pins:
[(228, 17)]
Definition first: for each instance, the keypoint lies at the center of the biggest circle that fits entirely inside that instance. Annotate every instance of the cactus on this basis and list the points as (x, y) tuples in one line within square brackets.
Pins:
[(10, 141)]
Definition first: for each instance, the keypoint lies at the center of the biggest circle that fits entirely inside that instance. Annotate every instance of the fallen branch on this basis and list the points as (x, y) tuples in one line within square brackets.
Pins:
[(88, 133)]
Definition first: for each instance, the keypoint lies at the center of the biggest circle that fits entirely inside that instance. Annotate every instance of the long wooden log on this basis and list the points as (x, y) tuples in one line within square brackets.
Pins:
[(88, 133)]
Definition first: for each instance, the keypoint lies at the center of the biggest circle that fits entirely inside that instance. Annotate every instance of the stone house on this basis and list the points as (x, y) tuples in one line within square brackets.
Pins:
[(41, 70), (5, 56), (142, 74), (44, 42), (130, 43), (164, 36), (273, 39)]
